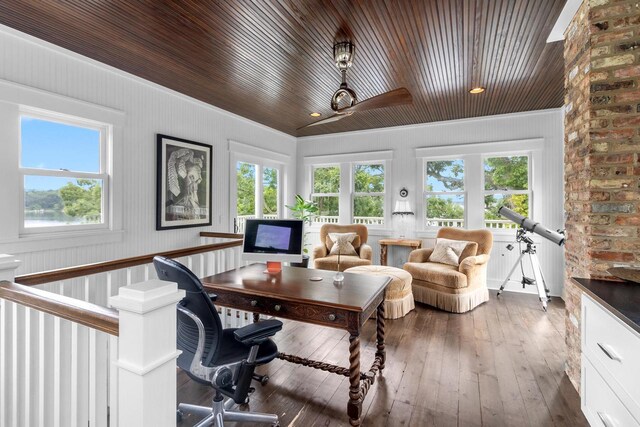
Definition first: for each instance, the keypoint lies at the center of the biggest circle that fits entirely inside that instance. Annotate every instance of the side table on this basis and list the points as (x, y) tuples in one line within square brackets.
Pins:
[(384, 243)]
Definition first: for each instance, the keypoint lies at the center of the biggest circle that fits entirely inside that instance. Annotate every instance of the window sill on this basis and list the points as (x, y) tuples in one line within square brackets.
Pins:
[(61, 240)]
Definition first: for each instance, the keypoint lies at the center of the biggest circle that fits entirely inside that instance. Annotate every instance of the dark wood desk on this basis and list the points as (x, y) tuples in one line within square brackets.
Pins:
[(292, 295)]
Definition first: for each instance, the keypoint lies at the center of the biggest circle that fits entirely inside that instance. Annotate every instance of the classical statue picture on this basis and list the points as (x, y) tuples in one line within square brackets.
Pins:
[(184, 183)]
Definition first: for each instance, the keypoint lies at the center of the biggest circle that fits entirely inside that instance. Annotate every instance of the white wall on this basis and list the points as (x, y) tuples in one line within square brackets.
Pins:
[(147, 109), (548, 175)]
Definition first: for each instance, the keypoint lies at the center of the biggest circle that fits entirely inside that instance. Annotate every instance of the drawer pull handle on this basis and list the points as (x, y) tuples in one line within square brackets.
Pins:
[(332, 317), (606, 419), (277, 307), (254, 303), (610, 354)]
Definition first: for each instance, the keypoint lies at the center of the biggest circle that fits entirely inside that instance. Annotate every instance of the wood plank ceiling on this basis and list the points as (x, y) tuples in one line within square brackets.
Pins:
[(271, 61)]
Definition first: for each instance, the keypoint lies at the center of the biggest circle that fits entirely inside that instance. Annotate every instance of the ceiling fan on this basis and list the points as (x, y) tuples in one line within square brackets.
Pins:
[(343, 55)]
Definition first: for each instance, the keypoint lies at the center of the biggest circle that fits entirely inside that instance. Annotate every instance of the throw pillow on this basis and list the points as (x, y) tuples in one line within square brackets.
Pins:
[(342, 243), (355, 243), (447, 251)]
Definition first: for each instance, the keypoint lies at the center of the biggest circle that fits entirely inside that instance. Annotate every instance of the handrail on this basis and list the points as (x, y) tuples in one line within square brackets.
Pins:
[(101, 267), (85, 313), (221, 235)]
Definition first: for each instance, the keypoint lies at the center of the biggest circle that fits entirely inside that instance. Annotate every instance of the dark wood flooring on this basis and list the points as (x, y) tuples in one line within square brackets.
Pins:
[(499, 365)]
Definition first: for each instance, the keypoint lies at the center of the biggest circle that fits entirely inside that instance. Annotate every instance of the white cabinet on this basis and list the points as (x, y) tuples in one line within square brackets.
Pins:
[(610, 384)]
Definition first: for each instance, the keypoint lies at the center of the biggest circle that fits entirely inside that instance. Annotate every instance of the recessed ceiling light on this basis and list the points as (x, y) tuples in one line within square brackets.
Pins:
[(315, 114), (477, 90)]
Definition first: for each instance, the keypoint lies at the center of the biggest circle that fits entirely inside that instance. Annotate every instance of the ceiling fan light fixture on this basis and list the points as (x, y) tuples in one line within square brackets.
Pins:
[(343, 55), (477, 90), (314, 114)]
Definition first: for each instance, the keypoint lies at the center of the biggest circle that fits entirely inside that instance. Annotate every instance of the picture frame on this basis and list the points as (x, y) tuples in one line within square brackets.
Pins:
[(183, 183)]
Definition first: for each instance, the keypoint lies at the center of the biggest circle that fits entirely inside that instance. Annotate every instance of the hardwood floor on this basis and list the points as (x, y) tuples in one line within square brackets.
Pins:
[(499, 365)]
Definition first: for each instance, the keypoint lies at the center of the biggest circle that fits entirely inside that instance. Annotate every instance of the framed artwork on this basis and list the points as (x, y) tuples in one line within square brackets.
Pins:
[(183, 183)]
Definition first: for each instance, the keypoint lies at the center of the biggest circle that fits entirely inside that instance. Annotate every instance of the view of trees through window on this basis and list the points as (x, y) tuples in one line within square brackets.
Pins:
[(246, 184), (326, 192), (58, 162), (368, 199), (506, 183), (444, 191), (246, 189)]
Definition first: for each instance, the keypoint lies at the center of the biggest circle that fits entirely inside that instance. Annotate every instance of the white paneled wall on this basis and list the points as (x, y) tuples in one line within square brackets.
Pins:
[(148, 109), (548, 173)]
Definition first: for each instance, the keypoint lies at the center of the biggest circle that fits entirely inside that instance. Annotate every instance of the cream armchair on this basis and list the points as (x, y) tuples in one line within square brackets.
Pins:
[(453, 288), (321, 258)]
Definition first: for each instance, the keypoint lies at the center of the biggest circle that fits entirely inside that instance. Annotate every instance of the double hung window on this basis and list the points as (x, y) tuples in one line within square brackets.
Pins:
[(368, 193), (64, 172), (444, 193), (506, 183), (326, 193)]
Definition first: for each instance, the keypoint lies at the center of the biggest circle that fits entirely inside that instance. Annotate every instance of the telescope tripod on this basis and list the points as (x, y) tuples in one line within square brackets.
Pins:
[(538, 278)]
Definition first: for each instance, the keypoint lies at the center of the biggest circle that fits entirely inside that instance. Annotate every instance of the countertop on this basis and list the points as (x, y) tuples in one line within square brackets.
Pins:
[(622, 299)]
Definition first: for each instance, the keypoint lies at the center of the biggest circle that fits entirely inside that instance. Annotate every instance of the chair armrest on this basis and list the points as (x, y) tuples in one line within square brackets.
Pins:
[(257, 333), (319, 251), (197, 368), (420, 255), (470, 262), (212, 296), (366, 252)]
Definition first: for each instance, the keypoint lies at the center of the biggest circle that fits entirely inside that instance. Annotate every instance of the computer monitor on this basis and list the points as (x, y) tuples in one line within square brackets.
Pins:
[(273, 241)]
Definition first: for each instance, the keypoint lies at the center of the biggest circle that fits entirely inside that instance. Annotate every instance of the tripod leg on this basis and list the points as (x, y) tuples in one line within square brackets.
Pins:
[(515, 265), (537, 273)]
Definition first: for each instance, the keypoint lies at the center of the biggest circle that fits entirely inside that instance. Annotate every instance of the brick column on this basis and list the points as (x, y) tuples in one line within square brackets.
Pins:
[(602, 142)]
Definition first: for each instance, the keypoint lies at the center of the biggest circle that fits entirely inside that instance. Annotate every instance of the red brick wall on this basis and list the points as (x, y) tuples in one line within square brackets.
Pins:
[(602, 142)]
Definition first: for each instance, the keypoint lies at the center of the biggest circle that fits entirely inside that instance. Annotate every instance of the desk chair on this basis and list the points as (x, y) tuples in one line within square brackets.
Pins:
[(222, 358)]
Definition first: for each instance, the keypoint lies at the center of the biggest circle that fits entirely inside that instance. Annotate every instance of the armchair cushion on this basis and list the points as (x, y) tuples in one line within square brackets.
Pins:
[(440, 274), (319, 251), (346, 261), (342, 244)]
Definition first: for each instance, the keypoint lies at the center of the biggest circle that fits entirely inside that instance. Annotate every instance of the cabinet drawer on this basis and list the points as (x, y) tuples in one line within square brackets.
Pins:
[(599, 403), (611, 346)]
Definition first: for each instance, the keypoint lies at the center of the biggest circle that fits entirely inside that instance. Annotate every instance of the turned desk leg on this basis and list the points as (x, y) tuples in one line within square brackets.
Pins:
[(354, 407), (381, 353), (383, 254)]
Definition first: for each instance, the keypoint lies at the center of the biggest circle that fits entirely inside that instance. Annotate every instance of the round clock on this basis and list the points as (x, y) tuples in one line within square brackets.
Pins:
[(404, 192)]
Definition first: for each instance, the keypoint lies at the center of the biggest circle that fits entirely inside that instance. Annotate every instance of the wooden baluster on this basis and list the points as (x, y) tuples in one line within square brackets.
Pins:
[(146, 272), (128, 276), (201, 266)]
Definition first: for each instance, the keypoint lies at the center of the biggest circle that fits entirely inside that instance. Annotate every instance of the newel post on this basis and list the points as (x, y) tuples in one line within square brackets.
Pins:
[(8, 266), (146, 353)]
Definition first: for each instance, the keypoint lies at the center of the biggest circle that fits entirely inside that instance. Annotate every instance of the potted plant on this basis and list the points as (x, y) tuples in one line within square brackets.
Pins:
[(306, 210)]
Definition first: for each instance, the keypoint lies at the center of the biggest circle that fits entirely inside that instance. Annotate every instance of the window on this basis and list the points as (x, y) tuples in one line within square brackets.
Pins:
[(326, 193), (506, 183), (64, 172), (368, 194), (444, 193), (257, 193), (270, 193)]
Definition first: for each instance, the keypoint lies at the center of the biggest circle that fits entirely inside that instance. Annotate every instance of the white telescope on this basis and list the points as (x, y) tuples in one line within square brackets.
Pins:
[(532, 226)]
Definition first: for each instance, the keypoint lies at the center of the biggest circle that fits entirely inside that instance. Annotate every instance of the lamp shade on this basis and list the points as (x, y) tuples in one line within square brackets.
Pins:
[(403, 207)]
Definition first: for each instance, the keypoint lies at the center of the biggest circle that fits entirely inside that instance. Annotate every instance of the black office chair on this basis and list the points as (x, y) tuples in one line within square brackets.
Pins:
[(222, 358)]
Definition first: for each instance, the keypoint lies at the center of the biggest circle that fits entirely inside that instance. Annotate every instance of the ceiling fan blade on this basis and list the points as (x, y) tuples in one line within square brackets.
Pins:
[(388, 99), (330, 119)]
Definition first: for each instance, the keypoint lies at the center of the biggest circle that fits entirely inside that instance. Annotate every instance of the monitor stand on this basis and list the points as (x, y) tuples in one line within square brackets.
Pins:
[(273, 267)]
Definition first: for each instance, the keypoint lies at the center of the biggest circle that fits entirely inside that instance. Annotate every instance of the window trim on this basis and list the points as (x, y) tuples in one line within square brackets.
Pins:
[(104, 174)]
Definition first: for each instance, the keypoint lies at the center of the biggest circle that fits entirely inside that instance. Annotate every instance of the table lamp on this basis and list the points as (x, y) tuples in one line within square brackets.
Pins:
[(402, 208)]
